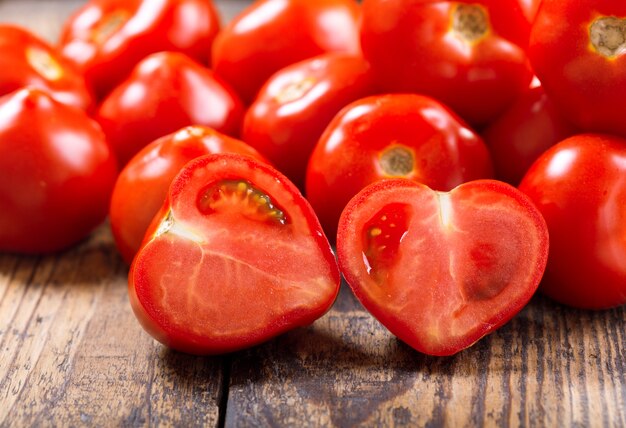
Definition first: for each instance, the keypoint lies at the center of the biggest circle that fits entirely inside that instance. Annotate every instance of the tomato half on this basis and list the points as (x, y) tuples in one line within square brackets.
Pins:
[(579, 187), (271, 34), (294, 107), (150, 173), (26, 60), (235, 257), (441, 270), (166, 91), (387, 136), (469, 54), (57, 173), (577, 49), (105, 39)]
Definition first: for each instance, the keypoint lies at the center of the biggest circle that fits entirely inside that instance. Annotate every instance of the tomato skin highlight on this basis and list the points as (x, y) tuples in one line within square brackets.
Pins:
[(150, 173), (57, 173), (166, 92), (469, 260), (386, 136), (105, 39), (578, 185), (210, 282)]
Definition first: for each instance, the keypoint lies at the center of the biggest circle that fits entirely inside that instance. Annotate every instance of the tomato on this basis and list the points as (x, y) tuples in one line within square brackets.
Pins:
[(579, 187), (530, 8), (442, 269), (469, 54), (57, 173), (235, 257), (27, 60), (107, 38), (150, 174), (166, 92), (271, 34), (577, 50), (523, 132), (294, 107), (386, 136)]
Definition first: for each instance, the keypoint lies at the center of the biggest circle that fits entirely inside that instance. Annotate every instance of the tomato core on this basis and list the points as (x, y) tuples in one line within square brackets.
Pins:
[(109, 25), (397, 161), (44, 63), (469, 22), (295, 90), (240, 196), (607, 35)]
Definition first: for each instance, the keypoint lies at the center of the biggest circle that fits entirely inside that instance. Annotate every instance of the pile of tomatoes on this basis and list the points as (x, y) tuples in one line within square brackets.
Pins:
[(457, 152)]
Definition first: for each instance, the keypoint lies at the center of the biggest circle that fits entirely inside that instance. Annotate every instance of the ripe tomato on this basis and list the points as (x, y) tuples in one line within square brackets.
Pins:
[(469, 54), (57, 173), (150, 174), (294, 107), (235, 257), (441, 270), (166, 92), (523, 132), (107, 38), (271, 34), (577, 50), (27, 60), (579, 187), (386, 136)]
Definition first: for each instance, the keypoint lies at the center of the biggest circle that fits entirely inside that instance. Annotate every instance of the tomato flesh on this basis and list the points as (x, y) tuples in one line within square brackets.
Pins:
[(455, 266)]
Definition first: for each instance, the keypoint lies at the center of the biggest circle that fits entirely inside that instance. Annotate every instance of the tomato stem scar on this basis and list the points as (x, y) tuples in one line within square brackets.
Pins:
[(607, 36), (469, 22), (397, 161)]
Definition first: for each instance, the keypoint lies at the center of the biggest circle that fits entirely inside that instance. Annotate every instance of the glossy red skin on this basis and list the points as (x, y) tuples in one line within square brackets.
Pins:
[(588, 87), (150, 173), (166, 92), (27, 60), (271, 34), (523, 132), (231, 297), (411, 49), (456, 271), (578, 185), (346, 159), (148, 26), (530, 8), (287, 129), (57, 173)]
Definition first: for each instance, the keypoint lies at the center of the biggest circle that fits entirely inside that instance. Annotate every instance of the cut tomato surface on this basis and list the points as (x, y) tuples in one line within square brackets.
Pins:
[(442, 269), (235, 257)]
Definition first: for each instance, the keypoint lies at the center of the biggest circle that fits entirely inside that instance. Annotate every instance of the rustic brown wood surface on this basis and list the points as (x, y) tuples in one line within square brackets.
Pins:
[(72, 354)]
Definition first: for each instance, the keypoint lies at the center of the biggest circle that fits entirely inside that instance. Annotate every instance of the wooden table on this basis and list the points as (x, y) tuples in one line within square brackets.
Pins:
[(72, 353)]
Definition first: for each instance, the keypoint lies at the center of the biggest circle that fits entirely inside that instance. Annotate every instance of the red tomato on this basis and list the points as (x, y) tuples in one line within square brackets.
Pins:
[(235, 257), (579, 187), (57, 173), (523, 132), (441, 270), (166, 92), (27, 60), (469, 54), (271, 34), (530, 8), (297, 103), (400, 135), (150, 174), (577, 50), (107, 38)]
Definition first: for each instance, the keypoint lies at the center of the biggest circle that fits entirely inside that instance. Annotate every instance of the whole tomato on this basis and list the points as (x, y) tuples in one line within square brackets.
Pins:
[(469, 54), (580, 188), (107, 38), (294, 107), (165, 92), (26, 60), (391, 136), (271, 34), (57, 173), (577, 48), (149, 174), (523, 132)]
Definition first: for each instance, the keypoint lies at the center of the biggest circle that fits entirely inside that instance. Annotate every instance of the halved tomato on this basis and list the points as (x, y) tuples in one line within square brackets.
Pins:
[(235, 257), (442, 269)]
